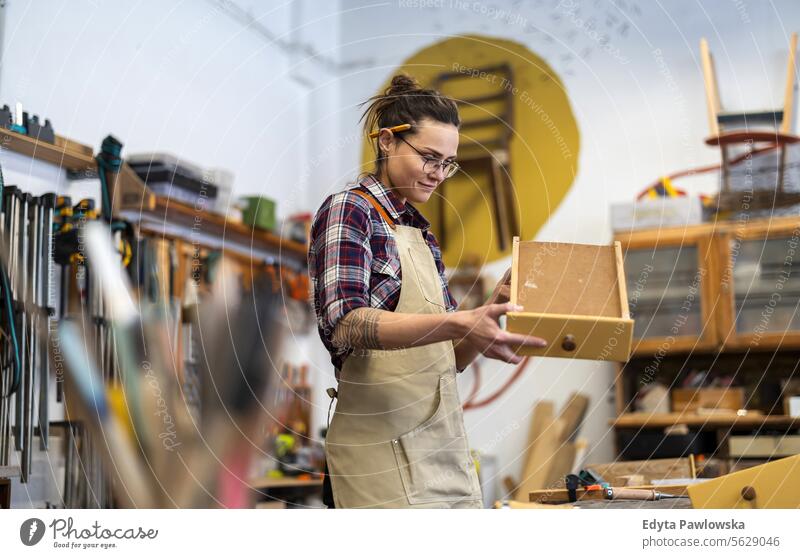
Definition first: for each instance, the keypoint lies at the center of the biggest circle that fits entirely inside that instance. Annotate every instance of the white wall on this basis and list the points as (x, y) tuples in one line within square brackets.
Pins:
[(214, 82), (639, 102)]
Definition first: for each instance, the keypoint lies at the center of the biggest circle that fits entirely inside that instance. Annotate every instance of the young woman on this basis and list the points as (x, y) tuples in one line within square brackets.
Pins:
[(390, 323)]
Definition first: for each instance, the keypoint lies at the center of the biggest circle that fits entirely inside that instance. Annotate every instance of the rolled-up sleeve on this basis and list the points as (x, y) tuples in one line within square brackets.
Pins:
[(340, 257)]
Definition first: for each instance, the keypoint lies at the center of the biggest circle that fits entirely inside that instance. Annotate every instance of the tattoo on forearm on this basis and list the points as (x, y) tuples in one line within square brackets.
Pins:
[(358, 330)]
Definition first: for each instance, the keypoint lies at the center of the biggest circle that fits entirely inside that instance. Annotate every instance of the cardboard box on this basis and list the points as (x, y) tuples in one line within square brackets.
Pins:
[(792, 405), (657, 213), (691, 400), (763, 446), (573, 296)]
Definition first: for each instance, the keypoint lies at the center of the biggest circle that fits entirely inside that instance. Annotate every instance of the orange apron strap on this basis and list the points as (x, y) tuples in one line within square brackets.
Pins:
[(377, 206)]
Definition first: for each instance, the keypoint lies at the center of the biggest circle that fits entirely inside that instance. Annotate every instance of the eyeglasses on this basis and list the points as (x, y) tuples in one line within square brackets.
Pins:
[(432, 164)]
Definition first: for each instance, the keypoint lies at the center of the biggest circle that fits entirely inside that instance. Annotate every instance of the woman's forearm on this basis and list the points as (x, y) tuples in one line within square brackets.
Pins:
[(371, 328)]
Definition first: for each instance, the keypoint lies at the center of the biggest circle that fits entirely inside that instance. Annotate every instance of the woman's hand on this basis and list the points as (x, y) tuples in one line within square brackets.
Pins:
[(502, 291), (485, 335)]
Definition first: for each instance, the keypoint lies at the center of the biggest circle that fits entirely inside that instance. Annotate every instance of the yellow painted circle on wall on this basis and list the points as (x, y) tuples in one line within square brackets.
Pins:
[(503, 83)]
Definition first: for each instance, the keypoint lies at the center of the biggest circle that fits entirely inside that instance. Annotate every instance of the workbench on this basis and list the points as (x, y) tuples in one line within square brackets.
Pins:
[(289, 490), (671, 504)]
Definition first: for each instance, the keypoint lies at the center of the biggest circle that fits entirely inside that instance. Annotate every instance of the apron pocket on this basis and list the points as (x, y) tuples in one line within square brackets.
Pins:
[(426, 269), (434, 469), (433, 459)]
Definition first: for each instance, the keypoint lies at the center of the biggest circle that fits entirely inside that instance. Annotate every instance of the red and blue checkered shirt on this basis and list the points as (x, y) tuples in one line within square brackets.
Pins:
[(353, 260)]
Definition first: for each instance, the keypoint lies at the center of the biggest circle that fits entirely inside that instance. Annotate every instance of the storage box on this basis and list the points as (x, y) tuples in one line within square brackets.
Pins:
[(656, 213), (763, 446), (691, 400), (792, 405), (259, 213), (573, 296)]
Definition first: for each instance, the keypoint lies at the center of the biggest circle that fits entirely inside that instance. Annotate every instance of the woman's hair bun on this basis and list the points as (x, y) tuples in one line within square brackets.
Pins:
[(402, 83), (405, 102)]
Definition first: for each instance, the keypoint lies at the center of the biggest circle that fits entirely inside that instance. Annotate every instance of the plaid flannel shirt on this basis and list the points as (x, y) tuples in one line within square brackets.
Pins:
[(353, 260)]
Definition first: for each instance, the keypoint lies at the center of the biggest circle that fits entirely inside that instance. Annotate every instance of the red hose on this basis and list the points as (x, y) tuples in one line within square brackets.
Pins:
[(717, 166), (469, 405)]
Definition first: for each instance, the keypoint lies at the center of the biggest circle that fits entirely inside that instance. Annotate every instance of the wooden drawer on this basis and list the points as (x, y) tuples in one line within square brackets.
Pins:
[(573, 296)]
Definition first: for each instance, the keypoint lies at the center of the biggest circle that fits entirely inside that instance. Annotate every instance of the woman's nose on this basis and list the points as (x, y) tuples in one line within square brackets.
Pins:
[(438, 174)]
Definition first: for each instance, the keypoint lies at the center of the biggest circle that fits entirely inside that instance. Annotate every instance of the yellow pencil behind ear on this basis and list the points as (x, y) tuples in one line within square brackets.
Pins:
[(398, 128)]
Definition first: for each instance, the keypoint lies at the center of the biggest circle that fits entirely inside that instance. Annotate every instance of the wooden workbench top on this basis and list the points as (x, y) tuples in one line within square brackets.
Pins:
[(663, 420)]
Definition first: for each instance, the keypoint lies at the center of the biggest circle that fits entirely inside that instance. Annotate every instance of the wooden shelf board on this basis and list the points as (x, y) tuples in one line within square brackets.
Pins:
[(61, 156), (663, 420), (683, 234), (138, 204)]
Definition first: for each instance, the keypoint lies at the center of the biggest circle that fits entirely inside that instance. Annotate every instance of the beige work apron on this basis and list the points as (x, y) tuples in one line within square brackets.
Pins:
[(397, 437)]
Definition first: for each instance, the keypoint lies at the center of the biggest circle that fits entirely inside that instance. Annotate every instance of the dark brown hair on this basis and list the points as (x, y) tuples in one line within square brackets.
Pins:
[(405, 102)]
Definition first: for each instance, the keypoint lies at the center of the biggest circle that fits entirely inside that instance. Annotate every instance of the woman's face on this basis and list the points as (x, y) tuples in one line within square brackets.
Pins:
[(406, 167)]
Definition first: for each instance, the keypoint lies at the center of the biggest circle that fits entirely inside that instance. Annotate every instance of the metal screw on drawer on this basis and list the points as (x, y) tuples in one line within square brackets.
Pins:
[(568, 344)]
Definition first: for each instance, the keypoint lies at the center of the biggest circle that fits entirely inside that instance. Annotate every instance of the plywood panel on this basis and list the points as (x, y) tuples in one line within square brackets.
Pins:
[(560, 278)]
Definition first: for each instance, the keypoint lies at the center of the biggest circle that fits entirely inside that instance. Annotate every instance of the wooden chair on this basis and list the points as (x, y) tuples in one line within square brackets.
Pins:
[(486, 133), (752, 132)]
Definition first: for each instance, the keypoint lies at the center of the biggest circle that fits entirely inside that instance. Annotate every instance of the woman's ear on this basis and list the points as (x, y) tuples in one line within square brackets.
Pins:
[(386, 141)]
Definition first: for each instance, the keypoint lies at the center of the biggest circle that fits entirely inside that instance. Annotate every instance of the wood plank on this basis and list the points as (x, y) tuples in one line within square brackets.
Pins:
[(561, 464), (60, 156), (542, 438), (650, 469), (572, 415), (73, 146)]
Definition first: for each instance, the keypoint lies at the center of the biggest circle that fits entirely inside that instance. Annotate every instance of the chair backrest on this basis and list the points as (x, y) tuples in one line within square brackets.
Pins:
[(780, 120)]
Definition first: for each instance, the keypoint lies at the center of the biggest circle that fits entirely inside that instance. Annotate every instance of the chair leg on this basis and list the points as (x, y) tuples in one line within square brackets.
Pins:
[(442, 222), (500, 210), (726, 171), (781, 168)]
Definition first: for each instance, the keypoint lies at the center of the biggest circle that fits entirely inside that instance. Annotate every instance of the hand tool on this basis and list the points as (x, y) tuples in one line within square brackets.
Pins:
[(86, 391), (45, 307), (622, 493)]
